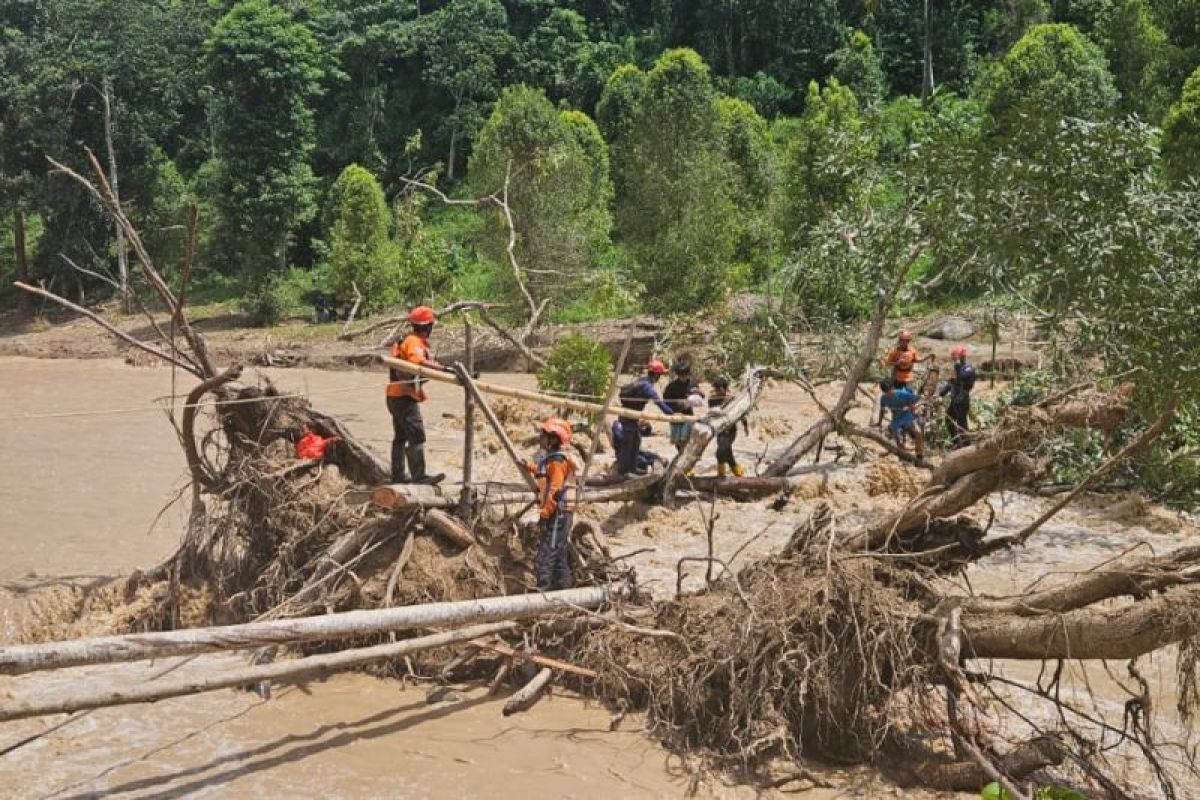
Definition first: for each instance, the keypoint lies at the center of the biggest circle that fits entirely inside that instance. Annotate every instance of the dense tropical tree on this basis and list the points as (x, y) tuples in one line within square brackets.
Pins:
[(265, 69), (361, 255), (1181, 134)]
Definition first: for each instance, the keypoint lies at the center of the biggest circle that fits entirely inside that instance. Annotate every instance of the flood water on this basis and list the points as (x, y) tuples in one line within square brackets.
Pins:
[(90, 462)]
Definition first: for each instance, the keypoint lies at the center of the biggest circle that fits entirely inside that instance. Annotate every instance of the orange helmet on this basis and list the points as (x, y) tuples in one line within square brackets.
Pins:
[(958, 351), (656, 367), (422, 315), (558, 427), (906, 336)]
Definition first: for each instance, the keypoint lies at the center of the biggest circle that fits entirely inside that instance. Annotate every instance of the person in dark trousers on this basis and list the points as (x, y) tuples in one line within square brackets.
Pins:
[(679, 394), (405, 393), (726, 462), (555, 473), (627, 433), (901, 402), (959, 389)]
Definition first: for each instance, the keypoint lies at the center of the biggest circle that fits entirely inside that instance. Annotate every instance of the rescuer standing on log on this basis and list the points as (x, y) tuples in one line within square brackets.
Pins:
[(555, 472), (627, 433), (682, 394), (405, 393)]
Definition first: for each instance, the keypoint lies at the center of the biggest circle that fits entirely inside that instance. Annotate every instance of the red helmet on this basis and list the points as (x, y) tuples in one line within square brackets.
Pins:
[(906, 336), (958, 351), (558, 427), (422, 315), (656, 367)]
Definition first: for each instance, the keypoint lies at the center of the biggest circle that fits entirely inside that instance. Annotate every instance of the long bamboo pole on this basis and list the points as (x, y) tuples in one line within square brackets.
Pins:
[(466, 496), (599, 418), (402, 495), (87, 697), (469, 384), (19, 659), (525, 394)]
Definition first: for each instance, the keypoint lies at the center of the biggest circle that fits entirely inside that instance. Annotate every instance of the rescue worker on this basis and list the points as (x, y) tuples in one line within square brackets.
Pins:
[(901, 402), (555, 473), (959, 389), (726, 462), (405, 393), (902, 359), (627, 433), (681, 393)]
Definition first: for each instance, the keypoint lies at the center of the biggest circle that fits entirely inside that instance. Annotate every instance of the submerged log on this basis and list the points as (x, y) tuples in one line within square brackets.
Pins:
[(302, 668), (19, 659), (530, 693), (525, 394)]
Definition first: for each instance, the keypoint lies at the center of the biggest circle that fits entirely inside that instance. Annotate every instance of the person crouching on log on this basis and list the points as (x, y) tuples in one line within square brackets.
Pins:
[(627, 433), (555, 473), (902, 401), (726, 462), (405, 393)]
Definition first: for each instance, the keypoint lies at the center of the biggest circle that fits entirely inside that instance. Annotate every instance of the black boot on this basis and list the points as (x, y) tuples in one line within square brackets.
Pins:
[(416, 465)]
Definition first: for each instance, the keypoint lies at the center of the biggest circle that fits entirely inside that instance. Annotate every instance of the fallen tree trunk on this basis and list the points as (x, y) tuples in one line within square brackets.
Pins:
[(704, 430), (294, 670), (525, 394), (403, 495), (1019, 763), (19, 659), (1087, 633)]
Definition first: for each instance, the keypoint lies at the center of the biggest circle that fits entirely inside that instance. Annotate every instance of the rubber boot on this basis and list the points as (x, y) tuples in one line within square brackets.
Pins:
[(416, 465), (739, 471), (722, 470)]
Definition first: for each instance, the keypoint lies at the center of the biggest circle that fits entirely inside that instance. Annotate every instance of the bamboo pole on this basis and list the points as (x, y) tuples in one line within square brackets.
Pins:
[(525, 394), (466, 498), (19, 659), (472, 389), (320, 666), (404, 495)]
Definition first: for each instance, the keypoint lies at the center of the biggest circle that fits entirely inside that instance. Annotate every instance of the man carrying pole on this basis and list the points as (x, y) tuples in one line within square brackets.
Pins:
[(405, 393)]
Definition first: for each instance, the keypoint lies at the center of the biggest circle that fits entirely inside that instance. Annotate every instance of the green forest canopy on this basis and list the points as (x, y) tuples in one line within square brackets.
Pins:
[(728, 137)]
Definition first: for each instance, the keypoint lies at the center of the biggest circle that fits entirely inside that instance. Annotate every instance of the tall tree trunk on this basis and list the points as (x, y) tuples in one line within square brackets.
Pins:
[(22, 256), (927, 62), (450, 157), (122, 253)]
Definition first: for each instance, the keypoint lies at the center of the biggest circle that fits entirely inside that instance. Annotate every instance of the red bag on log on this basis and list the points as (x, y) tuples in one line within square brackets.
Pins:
[(312, 445)]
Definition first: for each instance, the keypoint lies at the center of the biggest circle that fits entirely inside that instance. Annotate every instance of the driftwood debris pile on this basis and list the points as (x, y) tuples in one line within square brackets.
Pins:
[(850, 643)]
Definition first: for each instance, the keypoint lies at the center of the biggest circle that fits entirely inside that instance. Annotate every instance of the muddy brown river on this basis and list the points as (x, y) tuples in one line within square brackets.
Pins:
[(91, 463)]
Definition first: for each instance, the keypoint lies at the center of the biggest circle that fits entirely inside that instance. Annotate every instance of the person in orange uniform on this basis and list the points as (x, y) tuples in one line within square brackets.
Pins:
[(405, 393), (902, 359), (555, 473)]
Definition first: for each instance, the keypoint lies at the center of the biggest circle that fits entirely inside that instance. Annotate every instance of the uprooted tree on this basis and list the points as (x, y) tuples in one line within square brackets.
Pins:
[(852, 643)]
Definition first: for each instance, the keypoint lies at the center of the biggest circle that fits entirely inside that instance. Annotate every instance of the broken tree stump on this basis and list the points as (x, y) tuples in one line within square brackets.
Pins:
[(530, 693)]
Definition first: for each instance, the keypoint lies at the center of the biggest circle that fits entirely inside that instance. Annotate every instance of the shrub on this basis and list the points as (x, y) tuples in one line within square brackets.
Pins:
[(576, 366)]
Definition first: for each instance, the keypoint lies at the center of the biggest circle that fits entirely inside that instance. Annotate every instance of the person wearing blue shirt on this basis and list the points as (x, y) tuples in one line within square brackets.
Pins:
[(959, 388), (902, 402), (627, 433)]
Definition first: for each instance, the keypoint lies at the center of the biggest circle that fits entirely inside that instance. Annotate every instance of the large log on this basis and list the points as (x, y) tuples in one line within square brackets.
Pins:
[(1124, 632), (448, 526), (132, 647), (525, 394), (303, 668)]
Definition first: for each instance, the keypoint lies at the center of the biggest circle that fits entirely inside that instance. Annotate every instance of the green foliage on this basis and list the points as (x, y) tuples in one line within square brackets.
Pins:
[(856, 66), (1136, 48), (555, 166), (265, 70), (1054, 69), (763, 91), (825, 161), (576, 366), (760, 341), (675, 206), (361, 254), (279, 296), (1181, 134), (993, 791)]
